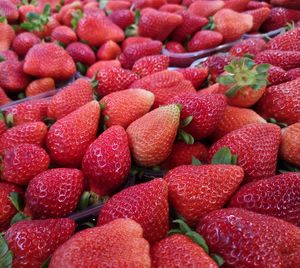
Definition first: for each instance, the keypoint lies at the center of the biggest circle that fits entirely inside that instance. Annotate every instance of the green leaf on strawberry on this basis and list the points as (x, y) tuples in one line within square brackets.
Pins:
[(186, 137), (6, 255), (224, 156), (218, 259), (196, 161)]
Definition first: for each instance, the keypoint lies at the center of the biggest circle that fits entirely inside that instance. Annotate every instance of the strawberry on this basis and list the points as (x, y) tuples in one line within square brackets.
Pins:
[(132, 40), (150, 64), (235, 118), (123, 18), (196, 75), (172, 8), (119, 243), (7, 209), (277, 75), (3, 97), (108, 51), (28, 111), (107, 171), (123, 107), (53, 57), (204, 39), (205, 8), (293, 74), (259, 16), (248, 46), (7, 35), (256, 146), (8, 55), (136, 203), (191, 23), (23, 42), (247, 239), (23, 162), (54, 193), (286, 41), (39, 86), (281, 102), (24, 10), (64, 35), (33, 133), (101, 65), (290, 146), (275, 196), (286, 3), (151, 137), (112, 79), (96, 30), (225, 23), (70, 136), (141, 4), (47, 235), (81, 53), (158, 24), (70, 98), (256, 4), (179, 251), (117, 5), (236, 5), (182, 154), (164, 85), (195, 191), (175, 47), (8, 10)]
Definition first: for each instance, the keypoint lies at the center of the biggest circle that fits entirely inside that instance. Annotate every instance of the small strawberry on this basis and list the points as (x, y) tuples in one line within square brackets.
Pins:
[(47, 235), (132, 40), (195, 191), (205, 8), (123, 18), (172, 8), (286, 41), (277, 75), (70, 98), (119, 243), (23, 42), (175, 47), (250, 46), (256, 146), (9, 10), (136, 203), (63, 34), (39, 86), (204, 39), (259, 16), (125, 106), (7, 35), (293, 74), (45, 60), (81, 53), (101, 65), (3, 97), (69, 137), (196, 75), (110, 50), (150, 64), (236, 5), (290, 145)]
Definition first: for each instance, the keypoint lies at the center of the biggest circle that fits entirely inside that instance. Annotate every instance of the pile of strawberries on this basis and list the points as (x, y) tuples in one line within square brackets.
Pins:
[(192, 167)]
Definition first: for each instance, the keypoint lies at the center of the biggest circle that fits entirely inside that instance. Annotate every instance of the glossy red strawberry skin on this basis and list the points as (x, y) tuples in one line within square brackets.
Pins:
[(107, 162), (286, 41), (145, 203), (256, 146), (81, 53), (195, 191), (150, 64), (277, 75), (123, 18), (204, 39), (101, 65), (196, 75), (247, 239), (23, 42), (248, 46), (259, 16), (175, 47), (63, 34), (47, 235)]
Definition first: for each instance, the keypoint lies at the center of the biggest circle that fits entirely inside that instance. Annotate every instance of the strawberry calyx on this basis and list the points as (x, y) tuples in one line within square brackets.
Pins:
[(3, 19), (242, 73), (132, 30), (77, 15), (2, 58), (186, 137), (224, 156), (18, 203), (81, 68), (196, 161), (274, 121), (90, 198), (29, 2), (6, 256), (10, 120), (94, 82), (210, 25)]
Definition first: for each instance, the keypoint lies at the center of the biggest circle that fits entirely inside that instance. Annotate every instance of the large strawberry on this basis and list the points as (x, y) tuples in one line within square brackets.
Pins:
[(125, 106), (117, 244), (136, 203), (40, 238), (259, 16), (7, 36), (247, 239), (81, 53), (23, 42), (47, 59), (256, 146), (286, 41), (70, 136), (195, 191), (40, 86), (70, 98), (151, 137), (205, 8), (277, 196)]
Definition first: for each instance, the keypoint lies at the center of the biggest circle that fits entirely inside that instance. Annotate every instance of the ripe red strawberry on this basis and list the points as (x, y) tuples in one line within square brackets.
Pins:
[(54, 57), (3, 97), (8, 55), (182, 154), (123, 107), (277, 75), (70, 98), (107, 171), (256, 146), (112, 79), (164, 85), (23, 162), (259, 16), (33, 133), (100, 65), (141, 4), (39, 86), (158, 24), (151, 137), (110, 50), (286, 41), (69, 137), (204, 39), (119, 243), (196, 75), (175, 47), (290, 146), (248, 46), (257, 4), (134, 40), (281, 102), (235, 118), (205, 8), (286, 3), (81, 53), (195, 191), (236, 5), (226, 23), (23, 42), (7, 209), (179, 251), (63, 34), (123, 18), (191, 23), (9, 10), (247, 239), (7, 36), (96, 30), (150, 64), (54, 193), (117, 5), (134, 52), (145, 203), (172, 8), (293, 74), (47, 235)]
